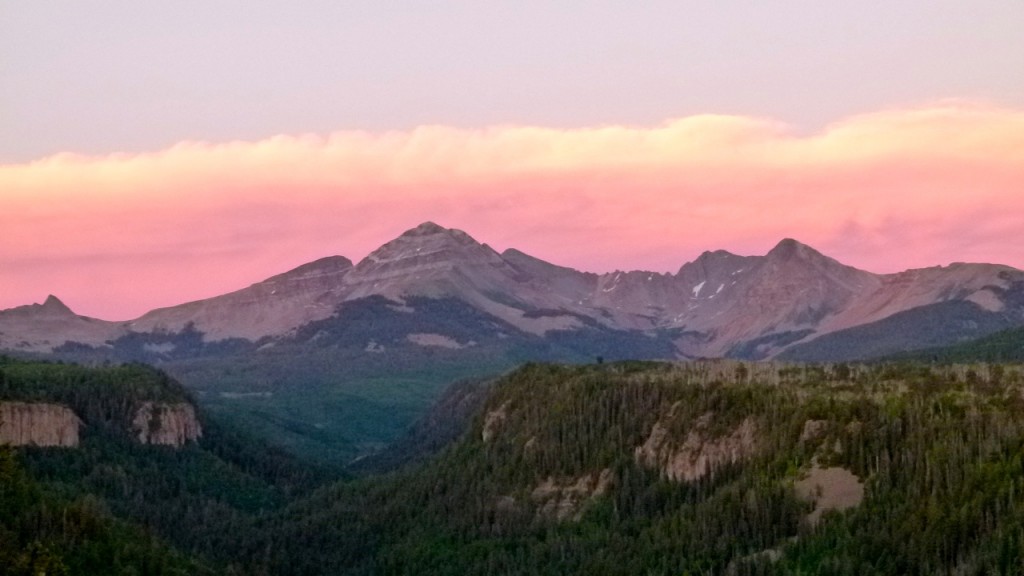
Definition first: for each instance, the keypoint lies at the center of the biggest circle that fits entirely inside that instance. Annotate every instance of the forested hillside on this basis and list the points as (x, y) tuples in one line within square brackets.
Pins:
[(113, 505), (711, 467), (1005, 346), (703, 468)]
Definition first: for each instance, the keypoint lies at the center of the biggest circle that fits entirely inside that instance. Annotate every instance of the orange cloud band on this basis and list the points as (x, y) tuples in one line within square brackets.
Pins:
[(117, 235)]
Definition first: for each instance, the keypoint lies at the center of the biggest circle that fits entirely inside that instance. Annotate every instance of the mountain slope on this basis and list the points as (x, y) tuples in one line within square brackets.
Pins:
[(792, 288), (943, 323), (1003, 346), (273, 306)]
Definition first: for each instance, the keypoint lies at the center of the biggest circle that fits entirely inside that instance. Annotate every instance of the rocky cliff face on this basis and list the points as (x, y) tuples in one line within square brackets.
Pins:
[(37, 424), (166, 424), (700, 454)]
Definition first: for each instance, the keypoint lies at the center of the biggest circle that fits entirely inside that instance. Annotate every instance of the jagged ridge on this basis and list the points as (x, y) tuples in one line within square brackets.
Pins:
[(719, 304)]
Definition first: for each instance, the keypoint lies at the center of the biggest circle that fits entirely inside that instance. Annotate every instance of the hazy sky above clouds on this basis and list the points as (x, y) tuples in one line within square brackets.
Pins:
[(152, 153), (126, 76)]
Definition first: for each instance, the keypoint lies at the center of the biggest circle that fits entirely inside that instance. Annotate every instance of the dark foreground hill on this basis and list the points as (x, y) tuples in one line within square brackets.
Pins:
[(88, 486), (700, 468), (709, 467)]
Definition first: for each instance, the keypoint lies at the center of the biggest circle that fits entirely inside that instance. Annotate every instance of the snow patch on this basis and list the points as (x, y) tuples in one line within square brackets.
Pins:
[(162, 348), (237, 395), (439, 340), (720, 286), (698, 288)]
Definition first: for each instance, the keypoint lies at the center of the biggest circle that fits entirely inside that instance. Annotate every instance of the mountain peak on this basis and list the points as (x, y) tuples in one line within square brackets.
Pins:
[(788, 249), (430, 233), (429, 260), (713, 263), (708, 255), (429, 229), (430, 241), (425, 229), (53, 304)]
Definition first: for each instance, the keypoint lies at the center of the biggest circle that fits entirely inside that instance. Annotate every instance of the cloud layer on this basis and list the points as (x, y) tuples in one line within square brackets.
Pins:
[(117, 235)]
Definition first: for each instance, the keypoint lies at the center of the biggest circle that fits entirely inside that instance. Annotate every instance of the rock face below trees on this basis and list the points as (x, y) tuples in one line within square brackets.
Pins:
[(700, 453), (563, 500), (830, 489), (38, 424), (166, 424), (493, 421), (42, 424)]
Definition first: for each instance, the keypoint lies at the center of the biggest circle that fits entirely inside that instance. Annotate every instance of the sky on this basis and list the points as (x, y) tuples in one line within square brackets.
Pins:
[(155, 153)]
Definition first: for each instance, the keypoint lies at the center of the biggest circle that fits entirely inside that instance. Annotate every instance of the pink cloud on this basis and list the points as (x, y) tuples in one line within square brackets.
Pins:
[(117, 235)]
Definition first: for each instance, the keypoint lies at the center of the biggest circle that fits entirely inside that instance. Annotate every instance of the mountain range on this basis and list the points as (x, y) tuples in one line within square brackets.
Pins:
[(335, 360), (721, 304)]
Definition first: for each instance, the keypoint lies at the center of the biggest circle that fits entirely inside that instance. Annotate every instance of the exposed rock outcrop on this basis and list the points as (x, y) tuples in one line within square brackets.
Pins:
[(38, 424), (493, 421), (166, 424), (700, 453), (813, 429), (830, 489), (563, 500)]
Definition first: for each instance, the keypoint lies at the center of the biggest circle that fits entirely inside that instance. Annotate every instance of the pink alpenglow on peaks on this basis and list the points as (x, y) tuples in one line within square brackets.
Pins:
[(117, 235)]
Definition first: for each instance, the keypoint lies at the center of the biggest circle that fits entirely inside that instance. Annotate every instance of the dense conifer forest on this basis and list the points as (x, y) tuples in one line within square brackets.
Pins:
[(115, 506), (1004, 346), (708, 467)]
